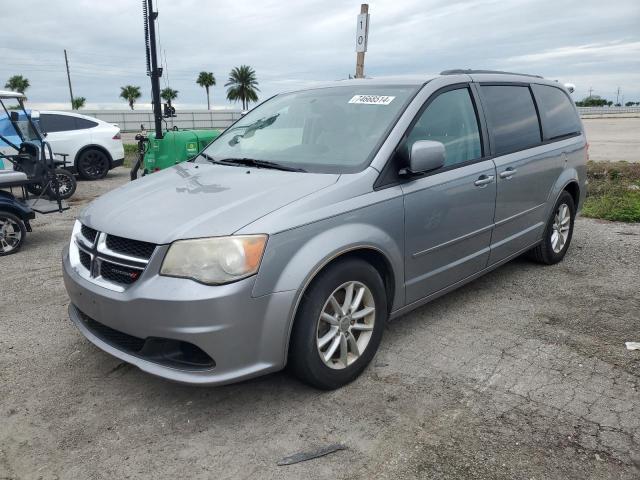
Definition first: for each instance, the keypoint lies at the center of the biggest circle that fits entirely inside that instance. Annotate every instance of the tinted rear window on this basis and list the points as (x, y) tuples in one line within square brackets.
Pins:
[(82, 123), (57, 123), (512, 117), (559, 118)]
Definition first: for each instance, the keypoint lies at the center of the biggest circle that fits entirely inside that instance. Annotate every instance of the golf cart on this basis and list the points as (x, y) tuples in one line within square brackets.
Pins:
[(34, 176)]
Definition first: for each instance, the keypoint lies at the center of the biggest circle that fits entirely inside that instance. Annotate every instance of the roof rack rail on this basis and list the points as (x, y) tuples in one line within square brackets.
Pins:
[(458, 71)]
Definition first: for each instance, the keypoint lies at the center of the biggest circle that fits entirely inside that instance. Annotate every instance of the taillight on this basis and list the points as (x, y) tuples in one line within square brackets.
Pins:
[(117, 136)]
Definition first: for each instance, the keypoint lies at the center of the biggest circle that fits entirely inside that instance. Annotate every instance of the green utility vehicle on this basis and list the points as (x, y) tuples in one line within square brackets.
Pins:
[(163, 149), (174, 147)]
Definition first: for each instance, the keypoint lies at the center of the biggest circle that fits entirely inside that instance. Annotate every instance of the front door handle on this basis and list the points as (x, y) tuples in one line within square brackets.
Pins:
[(483, 180), (508, 173)]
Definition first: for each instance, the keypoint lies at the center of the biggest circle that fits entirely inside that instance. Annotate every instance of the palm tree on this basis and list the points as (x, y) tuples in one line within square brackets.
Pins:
[(206, 80), (130, 94), (169, 94), (78, 103), (243, 85), (17, 83)]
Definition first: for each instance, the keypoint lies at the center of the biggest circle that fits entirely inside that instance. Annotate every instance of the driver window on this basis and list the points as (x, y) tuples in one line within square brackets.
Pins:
[(451, 120)]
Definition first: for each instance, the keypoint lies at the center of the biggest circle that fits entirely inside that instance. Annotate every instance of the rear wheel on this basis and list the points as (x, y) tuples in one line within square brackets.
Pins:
[(12, 233), (558, 233), (93, 164), (339, 325)]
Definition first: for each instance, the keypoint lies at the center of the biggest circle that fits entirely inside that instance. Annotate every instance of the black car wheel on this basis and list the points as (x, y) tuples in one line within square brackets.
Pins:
[(66, 184), (12, 233), (93, 164), (339, 325)]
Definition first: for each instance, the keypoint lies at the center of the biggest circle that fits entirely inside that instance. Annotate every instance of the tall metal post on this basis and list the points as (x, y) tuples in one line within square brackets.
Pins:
[(155, 72)]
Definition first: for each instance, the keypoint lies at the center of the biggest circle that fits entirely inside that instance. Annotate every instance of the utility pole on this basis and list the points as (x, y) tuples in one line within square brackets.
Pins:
[(66, 61), (617, 95), (362, 34), (152, 64), (590, 91)]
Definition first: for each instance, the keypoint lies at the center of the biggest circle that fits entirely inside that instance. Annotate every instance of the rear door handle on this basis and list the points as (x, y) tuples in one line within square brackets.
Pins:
[(483, 180), (508, 173)]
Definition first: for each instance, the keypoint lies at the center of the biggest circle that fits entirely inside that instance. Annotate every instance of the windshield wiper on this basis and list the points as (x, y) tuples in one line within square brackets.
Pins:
[(204, 155), (252, 162)]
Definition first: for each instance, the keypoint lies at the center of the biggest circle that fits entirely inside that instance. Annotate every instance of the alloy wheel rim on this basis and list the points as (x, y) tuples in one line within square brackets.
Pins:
[(10, 235), (94, 163), (345, 326), (64, 184), (560, 228)]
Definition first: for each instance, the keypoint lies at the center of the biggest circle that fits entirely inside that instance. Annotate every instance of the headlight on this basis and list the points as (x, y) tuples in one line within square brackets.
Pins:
[(216, 260)]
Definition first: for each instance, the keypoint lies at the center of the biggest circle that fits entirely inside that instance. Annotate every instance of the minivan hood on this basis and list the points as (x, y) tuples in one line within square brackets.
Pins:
[(192, 200)]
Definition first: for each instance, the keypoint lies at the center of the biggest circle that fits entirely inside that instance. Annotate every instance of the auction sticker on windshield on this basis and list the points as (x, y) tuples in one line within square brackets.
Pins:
[(372, 99)]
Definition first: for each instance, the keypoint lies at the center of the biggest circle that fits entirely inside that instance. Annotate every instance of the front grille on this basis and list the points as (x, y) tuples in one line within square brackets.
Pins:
[(89, 233), (110, 259), (118, 273), (85, 259), (127, 246), (163, 351)]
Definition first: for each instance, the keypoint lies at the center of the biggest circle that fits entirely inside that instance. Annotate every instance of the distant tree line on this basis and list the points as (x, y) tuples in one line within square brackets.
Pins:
[(242, 87), (597, 101), (242, 83)]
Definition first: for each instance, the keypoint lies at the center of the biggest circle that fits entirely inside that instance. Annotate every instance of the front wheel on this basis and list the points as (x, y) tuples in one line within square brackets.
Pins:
[(66, 184), (12, 233), (558, 232), (339, 325)]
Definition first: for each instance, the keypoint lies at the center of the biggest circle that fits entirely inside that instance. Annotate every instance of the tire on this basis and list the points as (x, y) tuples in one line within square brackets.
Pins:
[(12, 233), (67, 183), (93, 164), (554, 246), (313, 336), (35, 189)]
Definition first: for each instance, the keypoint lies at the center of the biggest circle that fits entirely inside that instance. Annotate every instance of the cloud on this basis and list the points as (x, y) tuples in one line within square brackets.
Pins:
[(618, 51), (295, 44)]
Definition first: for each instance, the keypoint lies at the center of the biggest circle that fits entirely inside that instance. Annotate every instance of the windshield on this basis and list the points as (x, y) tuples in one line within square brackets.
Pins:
[(25, 131), (326, 130)]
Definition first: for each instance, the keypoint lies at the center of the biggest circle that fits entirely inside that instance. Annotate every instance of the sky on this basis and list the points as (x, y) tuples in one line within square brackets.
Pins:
[(290, 44)]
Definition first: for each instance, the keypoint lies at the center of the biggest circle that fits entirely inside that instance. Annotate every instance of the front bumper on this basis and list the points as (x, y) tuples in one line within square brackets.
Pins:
[(245, 336), (117, 162)]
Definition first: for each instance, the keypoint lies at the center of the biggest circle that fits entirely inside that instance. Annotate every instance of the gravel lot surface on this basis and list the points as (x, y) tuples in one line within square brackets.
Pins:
[(521, 374)]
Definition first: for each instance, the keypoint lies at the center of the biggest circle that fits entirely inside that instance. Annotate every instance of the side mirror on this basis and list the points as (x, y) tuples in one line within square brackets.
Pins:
[(425, 155)]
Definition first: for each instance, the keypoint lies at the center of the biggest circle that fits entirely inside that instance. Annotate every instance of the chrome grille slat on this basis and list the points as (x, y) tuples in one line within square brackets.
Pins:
[(106, 266)]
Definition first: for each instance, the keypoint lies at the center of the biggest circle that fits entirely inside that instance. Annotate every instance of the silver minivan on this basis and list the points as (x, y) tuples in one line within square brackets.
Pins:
[(321, 214)]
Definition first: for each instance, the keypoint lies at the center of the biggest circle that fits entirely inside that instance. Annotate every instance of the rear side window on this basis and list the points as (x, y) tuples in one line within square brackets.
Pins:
[(559, 118), (57, 123), (83, 123), (450, 119), (512, 117)]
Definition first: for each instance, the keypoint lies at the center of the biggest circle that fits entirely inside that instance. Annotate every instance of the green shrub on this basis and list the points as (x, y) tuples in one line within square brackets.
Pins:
[(613, 191)]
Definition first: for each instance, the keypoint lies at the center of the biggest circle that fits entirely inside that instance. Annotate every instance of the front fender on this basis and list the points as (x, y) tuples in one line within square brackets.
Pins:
[(294, 257)]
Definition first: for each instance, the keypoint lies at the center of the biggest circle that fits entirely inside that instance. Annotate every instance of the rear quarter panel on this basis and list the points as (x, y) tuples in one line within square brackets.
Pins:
[(574, 170)]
